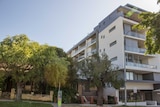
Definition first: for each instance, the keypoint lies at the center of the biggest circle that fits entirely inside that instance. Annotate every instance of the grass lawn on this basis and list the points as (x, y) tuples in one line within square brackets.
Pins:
[(23, 104)]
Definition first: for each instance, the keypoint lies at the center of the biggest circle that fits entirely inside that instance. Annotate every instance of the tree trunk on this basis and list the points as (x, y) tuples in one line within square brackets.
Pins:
[(19, 92), (100, 96)]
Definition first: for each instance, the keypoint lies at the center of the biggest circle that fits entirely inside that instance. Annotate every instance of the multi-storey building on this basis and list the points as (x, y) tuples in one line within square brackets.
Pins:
[(125, 47)]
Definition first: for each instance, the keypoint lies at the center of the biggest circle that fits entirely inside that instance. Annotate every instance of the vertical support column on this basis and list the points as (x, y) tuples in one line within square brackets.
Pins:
[(12, 96), (51, 96), (80, 89), (117, 96), (0, 93)]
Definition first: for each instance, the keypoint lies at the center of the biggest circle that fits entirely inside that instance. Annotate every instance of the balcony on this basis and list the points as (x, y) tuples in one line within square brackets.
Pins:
[(81, 57), (135, 34), (81, 48), (92, 42), (138, 65), (93, 51), (132, 49)]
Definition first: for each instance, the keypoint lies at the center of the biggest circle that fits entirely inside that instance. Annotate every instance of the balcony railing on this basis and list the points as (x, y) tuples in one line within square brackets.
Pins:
[(92, 52), (82, 47), (139, 50), (81, 57), (92, 42), (141, 65), (135, 34), (76, 51)]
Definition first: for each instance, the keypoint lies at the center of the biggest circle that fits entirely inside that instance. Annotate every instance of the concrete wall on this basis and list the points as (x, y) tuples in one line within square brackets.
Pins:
[(110, 91), (156, 76), (139, 86), (32, 96), (37, 97), (116, 50)]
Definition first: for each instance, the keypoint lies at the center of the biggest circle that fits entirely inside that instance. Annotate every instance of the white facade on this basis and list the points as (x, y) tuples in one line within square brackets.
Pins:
[(125, 47)]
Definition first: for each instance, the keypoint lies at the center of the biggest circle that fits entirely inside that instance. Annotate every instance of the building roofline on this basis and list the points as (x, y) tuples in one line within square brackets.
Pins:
[(88, 36), (127, 6), (133, 6)]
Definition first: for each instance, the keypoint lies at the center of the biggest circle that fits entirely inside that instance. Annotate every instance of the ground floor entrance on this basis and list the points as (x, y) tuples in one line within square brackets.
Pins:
[(141, 95)]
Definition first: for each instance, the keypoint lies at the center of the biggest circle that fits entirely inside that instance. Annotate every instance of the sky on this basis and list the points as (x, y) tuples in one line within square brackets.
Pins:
[(60, 23)]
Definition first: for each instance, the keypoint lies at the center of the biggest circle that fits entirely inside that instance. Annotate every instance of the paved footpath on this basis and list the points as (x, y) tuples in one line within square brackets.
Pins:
[(80, 105), (89, 105), (86, 105)]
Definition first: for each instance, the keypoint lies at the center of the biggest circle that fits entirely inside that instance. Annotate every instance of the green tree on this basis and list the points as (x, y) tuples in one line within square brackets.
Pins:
[(57, 68), (49, 63), (151, 22), (72, 79), (45, 55), (56, 73), (2, 78), (15, 53), (99, 71)]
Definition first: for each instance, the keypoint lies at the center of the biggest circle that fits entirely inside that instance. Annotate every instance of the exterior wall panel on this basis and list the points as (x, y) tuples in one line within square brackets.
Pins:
[(115, 35)]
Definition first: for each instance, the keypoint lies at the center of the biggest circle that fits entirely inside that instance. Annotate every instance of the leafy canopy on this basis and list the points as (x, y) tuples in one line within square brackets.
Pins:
[(14, 56), (99, 71), (151, 22)]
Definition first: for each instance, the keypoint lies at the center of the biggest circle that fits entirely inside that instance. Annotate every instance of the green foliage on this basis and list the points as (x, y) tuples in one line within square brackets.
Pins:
[(60, 52), (44, 55), (2, 78), (151, 22), (68, 95), (56, 73), (23, 104), (14, 54), (99, 70), (24, 60), (47, 61), (72, 79)]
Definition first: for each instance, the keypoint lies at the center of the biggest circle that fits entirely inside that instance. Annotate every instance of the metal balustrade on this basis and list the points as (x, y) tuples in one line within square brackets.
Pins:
[(135, 34), (139, 50), (141, 65)]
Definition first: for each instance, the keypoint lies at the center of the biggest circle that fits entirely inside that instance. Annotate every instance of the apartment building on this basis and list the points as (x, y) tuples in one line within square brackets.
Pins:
[(125, 47)]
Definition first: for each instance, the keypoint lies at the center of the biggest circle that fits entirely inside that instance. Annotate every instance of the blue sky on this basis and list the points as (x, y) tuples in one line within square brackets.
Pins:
[(60, 23)]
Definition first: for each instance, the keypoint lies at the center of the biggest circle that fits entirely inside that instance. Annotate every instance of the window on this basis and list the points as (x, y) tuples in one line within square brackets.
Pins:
[(100, 50), (103, 23), (113, 43), (129, 75), (113, 59), (102, 36), (137, 76), (104, 50), (112, 29)]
